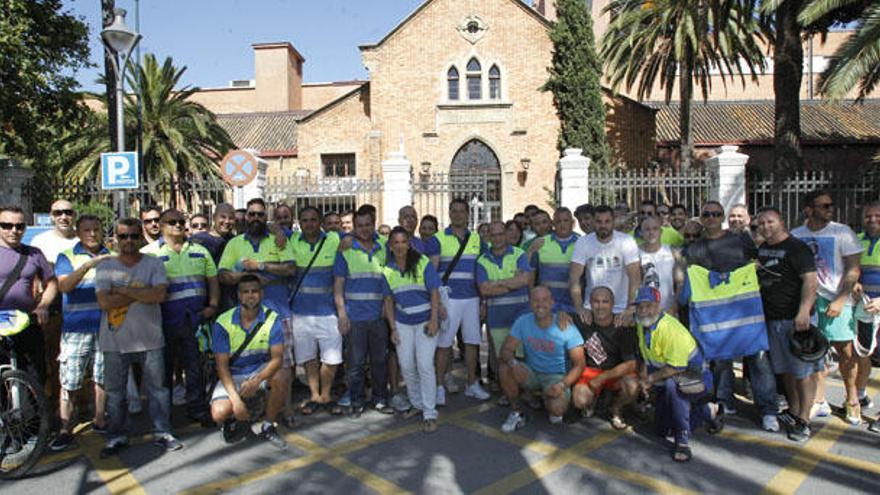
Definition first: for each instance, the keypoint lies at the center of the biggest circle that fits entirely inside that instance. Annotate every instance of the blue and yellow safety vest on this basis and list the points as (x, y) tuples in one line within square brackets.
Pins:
[(870, 260), (554, 263), (410, 291), (503, 310), (257, 351), (364, 283), (461, 280), (79, 306), (726, 314), (188, 272)]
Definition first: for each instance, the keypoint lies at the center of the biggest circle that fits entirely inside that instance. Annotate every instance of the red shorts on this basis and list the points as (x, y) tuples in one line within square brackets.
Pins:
[(587, 376)]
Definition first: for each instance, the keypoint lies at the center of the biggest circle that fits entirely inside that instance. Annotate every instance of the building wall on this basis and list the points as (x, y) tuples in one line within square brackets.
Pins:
[(316, 95), (631, 132), (227, 100), (408, 85)]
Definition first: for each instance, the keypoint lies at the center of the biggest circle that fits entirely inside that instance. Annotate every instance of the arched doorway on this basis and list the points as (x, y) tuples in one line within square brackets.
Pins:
[(476, 173)]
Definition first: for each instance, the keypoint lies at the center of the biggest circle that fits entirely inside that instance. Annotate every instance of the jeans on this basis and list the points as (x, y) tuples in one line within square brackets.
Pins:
[(181, 343), (415, 353), (116, 365), (367, 337), (761, 376), (677, 412)]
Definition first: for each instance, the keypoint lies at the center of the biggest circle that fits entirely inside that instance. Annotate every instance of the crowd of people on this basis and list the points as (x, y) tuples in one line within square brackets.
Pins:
[(644, 310)]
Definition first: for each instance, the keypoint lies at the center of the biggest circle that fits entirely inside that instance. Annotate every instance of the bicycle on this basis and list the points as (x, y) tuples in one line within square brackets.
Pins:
[(24, 420)]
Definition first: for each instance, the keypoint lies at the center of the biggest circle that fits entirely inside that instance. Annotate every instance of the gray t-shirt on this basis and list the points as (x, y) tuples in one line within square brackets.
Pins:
[(138, 327)]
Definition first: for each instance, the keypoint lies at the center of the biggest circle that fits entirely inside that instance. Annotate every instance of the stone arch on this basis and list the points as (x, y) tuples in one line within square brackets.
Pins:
[(475, 172)]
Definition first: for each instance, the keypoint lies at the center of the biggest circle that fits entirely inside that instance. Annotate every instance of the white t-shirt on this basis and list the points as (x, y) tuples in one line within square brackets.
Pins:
[(829, 247), (52, 244), (605, 264), (658, 271)]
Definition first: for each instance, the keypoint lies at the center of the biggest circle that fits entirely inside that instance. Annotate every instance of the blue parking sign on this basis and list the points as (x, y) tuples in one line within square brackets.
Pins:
[(119, 170)]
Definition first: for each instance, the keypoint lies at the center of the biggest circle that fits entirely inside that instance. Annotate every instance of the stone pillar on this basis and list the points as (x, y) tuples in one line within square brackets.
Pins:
[(13, 181), (728, 167), (574, 177), (397, 190)]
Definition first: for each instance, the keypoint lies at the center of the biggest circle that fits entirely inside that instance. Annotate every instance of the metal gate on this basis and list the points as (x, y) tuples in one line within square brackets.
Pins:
[(432, 193), (327, 194), (690, 187)]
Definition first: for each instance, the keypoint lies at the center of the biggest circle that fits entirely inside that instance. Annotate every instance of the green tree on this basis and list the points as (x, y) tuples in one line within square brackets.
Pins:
[(574, 80), (680, 41), (181, 138), (41, 48), (857, 61)]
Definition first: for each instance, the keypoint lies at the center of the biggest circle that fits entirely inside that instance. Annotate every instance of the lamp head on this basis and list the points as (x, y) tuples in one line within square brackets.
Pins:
[(119, 37)]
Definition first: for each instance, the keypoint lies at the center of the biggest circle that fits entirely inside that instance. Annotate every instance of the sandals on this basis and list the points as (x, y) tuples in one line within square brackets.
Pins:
[(618, 423), (411, 413), (429, 425), (334, 408), (309, 408), (682, 453)]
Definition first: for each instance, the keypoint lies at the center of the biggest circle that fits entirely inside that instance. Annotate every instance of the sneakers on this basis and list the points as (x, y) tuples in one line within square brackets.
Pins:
[(853, 413), (270, 434), (383, 407), (449, 383), (787, 418), (820, 409), (475, 391), (178, 398), (167, 442), (515, 420), (441, 396), (799, 432), (555, 420), (874, 427), (113, 447), (866, 402), (345, 400), (62, 442), (400, 402), (728, 410), (770, 423), (229, 429)]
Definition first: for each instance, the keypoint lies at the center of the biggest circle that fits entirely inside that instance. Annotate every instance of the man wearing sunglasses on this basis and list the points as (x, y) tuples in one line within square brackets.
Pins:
[(31, 266), (150, 218), (837, 252), (724, 251), (52, 243), (193, 298)]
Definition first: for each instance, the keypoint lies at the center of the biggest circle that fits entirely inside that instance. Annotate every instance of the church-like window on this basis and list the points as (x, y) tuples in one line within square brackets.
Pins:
[(494, 83), (452, 83), (474, 80)]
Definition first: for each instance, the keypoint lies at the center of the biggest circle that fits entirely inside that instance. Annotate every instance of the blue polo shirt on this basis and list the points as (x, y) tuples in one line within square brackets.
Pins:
[(79, 306), (315, 296), (251, 361), (462, 283), (503, 310), (364, 282)]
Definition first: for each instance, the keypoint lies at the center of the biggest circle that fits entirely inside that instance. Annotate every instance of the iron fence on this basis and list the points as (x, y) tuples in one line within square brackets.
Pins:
[(849, 191), (327, 194), (690, 187), (433, 191)]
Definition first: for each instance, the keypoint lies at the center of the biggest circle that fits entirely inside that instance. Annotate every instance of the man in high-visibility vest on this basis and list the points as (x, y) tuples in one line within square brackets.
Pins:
[(553, 256), (242, 380), (462, 306), (869, 290)]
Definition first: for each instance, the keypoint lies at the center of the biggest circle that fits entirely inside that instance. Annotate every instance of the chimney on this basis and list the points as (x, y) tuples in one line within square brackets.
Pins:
[(546, 8), (278, 77)]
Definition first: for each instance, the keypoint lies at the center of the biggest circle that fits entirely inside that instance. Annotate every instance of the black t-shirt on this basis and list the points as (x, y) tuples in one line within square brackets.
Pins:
[(781, 267), (725, 254), (606, 347)]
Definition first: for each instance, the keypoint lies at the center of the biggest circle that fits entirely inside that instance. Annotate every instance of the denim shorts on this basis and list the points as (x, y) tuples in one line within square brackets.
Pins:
[(781, 358)]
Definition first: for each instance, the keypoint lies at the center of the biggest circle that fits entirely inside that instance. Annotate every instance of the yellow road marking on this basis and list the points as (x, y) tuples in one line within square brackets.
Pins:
[(112, 471), (634, 477), (316, 453)]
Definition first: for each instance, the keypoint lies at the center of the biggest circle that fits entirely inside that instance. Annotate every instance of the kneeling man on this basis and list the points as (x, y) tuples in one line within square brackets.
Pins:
[(547, 344), (610, 354), (248, 347)]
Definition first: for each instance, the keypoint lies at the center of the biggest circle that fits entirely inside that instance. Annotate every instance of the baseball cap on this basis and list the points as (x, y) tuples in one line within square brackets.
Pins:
[(647, 294)]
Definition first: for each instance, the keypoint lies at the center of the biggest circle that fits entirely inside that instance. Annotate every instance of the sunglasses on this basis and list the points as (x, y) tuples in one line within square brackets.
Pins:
[(128, 237), (256, 214), (199, 225), (10, 226), (58, 213), (711, 214), (151, 220), (180, 222)]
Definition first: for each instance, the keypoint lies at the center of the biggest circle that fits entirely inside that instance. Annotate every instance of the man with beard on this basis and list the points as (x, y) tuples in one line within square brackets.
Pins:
[(611, 259), (193, 298), (678, 217), (151, 224), (331, 222), (256, 252)]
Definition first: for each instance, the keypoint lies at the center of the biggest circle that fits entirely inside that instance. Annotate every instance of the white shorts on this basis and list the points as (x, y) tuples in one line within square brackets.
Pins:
[(464, 312), (314, 333)]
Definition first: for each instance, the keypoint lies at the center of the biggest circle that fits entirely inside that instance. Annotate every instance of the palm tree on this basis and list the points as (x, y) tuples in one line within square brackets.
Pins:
[(857, 61), (181, 138), (680, 41)]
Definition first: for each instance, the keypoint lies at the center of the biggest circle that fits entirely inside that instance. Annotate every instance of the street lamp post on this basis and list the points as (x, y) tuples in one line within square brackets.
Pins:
[(120, 40)]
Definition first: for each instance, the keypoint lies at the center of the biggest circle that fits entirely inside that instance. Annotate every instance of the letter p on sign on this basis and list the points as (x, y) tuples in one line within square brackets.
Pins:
[(119, 170)]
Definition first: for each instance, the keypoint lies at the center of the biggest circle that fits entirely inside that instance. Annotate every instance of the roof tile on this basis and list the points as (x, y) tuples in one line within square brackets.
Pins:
[(263, 131)]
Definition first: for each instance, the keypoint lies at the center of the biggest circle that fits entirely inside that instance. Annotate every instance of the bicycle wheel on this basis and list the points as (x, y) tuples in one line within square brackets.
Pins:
[(24, 423)]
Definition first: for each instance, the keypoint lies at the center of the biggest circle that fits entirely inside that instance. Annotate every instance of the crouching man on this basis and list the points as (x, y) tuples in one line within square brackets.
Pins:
[(248, 347), (547, 343)]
